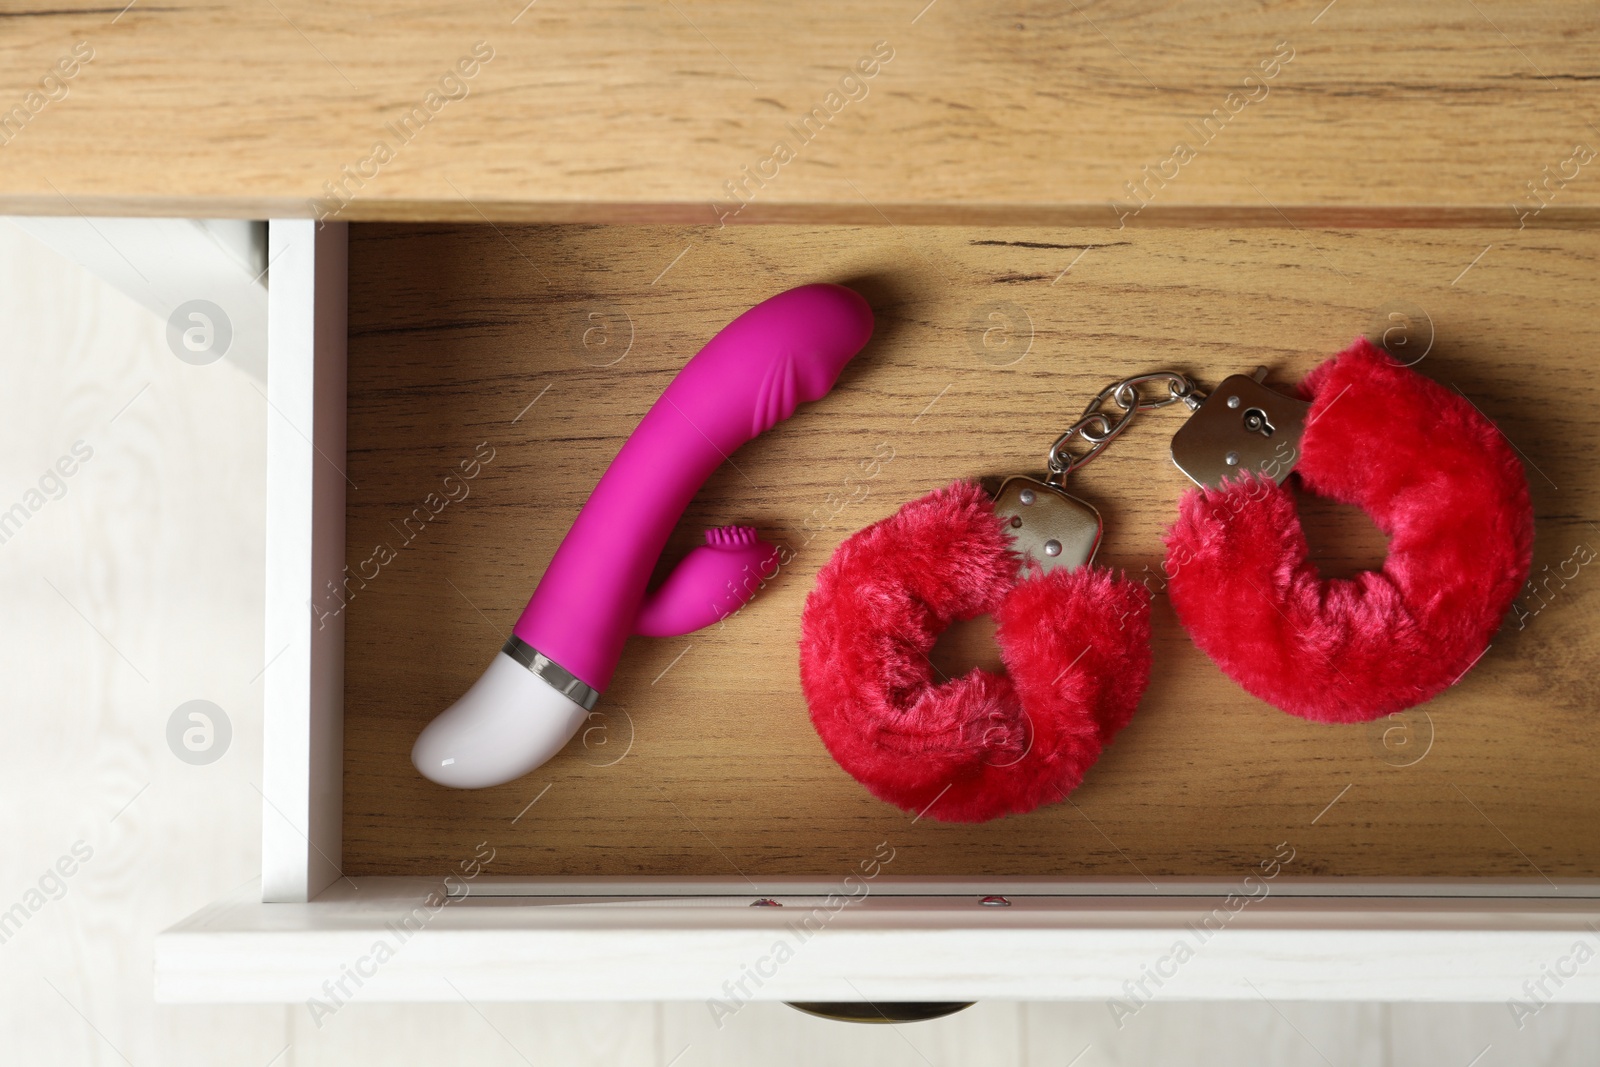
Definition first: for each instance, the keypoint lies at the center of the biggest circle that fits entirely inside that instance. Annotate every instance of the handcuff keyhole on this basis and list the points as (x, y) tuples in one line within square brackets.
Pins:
[(1255, 421)]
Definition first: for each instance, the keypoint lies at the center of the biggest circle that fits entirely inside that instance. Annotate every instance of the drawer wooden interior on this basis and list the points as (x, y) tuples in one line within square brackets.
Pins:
[(546, 345)]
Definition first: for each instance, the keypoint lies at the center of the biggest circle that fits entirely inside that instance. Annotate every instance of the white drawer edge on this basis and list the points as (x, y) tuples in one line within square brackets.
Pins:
[(303, 713), (398, 940)]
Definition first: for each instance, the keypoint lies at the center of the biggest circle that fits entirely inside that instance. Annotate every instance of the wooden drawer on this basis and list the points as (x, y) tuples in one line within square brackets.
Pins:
[(1446, 854)]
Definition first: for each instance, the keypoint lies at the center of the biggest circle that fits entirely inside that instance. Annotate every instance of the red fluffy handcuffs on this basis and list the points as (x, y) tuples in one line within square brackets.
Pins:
[(1076, 646), (1435, 475), (1432, 472)]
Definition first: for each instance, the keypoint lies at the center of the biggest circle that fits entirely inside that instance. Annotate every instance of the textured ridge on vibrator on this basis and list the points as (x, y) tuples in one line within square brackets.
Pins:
[(732, 536)]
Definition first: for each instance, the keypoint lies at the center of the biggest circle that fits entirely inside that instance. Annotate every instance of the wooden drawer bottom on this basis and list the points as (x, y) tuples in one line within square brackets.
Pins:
[(544, 345)]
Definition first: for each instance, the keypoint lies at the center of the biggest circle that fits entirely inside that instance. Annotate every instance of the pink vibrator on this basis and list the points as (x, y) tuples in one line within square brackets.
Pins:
[(543, 683)]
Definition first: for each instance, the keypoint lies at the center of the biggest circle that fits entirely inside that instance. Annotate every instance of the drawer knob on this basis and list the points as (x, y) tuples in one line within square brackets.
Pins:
[(909, 1011)]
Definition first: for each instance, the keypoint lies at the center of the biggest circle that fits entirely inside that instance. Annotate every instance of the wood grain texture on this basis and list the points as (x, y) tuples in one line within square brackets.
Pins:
[(618, 110), (988, 1034), (469, 1034), (1499, 1034), (1279, 1033), (701, 758), (137, 590)]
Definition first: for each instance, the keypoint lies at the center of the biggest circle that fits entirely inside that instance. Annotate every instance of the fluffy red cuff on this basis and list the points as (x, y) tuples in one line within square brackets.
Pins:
[(1076, 646), (1435, 475)]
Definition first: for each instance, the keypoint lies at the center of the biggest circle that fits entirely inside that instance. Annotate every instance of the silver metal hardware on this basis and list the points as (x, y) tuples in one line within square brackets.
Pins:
[(1049, 525), (551, 673), (1256, 421), (1099, 429), (1255, 429), (1054, 528), (1240, 427)]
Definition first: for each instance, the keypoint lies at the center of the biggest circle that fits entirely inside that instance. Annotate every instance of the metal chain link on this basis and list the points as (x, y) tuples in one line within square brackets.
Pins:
[(1100, 429)]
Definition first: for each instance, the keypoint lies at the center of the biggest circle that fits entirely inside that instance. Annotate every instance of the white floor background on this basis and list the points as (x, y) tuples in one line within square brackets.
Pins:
[(140, 589)]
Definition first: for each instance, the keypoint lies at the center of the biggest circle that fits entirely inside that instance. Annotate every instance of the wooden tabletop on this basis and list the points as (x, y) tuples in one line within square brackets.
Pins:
[(1350, 112)]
